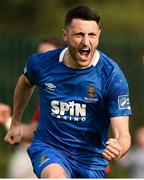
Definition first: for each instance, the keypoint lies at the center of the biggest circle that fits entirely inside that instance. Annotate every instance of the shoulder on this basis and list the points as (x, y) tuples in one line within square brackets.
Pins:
[(107, 66), (45, 58), (115, 80)]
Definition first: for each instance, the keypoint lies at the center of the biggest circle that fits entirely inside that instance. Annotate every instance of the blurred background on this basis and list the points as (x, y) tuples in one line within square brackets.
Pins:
[(24, 22)]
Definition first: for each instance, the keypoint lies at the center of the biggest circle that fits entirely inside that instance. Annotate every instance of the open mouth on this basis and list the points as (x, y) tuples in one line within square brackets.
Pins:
[(84, 52)]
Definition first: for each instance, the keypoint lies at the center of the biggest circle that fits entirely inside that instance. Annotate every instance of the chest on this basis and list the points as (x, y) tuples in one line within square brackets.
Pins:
[(67, 85)]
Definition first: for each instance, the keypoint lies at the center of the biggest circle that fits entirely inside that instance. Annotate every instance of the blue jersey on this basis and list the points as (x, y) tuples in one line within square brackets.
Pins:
[(76, 104)]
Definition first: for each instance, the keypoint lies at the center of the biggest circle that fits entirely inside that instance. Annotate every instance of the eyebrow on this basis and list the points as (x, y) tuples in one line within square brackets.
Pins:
[(82, 33)]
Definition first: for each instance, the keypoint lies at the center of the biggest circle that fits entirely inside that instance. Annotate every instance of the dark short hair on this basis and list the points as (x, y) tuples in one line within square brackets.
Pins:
[(81, 12)]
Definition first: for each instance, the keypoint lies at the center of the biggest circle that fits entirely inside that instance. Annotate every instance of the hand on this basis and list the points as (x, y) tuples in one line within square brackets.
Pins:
[(13, 135), (113, 150), (5, 113)]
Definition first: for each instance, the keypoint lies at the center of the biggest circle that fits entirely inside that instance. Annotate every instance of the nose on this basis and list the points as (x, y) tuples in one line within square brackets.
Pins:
[(85, 40)]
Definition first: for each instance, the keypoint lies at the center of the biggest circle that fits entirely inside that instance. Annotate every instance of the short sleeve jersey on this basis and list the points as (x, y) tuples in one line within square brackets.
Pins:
[(76, 104)]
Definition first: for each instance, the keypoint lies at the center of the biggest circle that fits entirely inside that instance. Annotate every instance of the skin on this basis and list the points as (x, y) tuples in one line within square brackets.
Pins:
[(5, 112), (82, 38), (43, 47), (120, 144)]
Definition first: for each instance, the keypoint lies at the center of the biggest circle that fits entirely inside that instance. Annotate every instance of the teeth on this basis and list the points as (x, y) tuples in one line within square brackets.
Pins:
[(85, 49)]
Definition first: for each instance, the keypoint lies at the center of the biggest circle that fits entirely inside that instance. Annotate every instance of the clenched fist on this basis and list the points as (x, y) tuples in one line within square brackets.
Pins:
[(113, 150), (13, 135)]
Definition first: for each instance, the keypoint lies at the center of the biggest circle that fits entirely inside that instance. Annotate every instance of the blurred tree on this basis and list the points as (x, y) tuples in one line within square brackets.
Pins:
[(44, 17), (17, 16), (69, 3)]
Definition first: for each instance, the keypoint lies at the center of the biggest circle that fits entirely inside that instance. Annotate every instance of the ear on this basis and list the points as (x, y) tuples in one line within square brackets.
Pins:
[(99, 32), (64, 35)]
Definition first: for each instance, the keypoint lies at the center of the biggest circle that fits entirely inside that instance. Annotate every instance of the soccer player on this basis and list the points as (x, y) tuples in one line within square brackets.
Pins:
[(82, 92)]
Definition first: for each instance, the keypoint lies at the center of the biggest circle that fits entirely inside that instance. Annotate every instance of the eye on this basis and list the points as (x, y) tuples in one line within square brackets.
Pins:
[(80, 34), (92, 34)]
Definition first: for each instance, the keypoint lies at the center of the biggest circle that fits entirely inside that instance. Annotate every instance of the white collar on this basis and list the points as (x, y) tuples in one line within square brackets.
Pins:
[(94, 62)]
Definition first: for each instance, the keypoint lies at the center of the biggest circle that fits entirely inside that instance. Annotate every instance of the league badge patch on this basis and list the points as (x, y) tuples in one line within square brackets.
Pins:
[(123, 102)]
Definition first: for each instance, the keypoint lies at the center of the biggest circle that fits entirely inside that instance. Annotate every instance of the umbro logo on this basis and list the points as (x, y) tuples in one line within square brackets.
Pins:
[(50, 86)]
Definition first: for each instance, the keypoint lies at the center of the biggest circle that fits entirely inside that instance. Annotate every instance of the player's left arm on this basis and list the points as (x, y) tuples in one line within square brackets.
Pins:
[(119, 145)]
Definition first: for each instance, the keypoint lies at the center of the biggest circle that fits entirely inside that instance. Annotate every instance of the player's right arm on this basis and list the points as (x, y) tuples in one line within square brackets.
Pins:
[(22, 94)]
